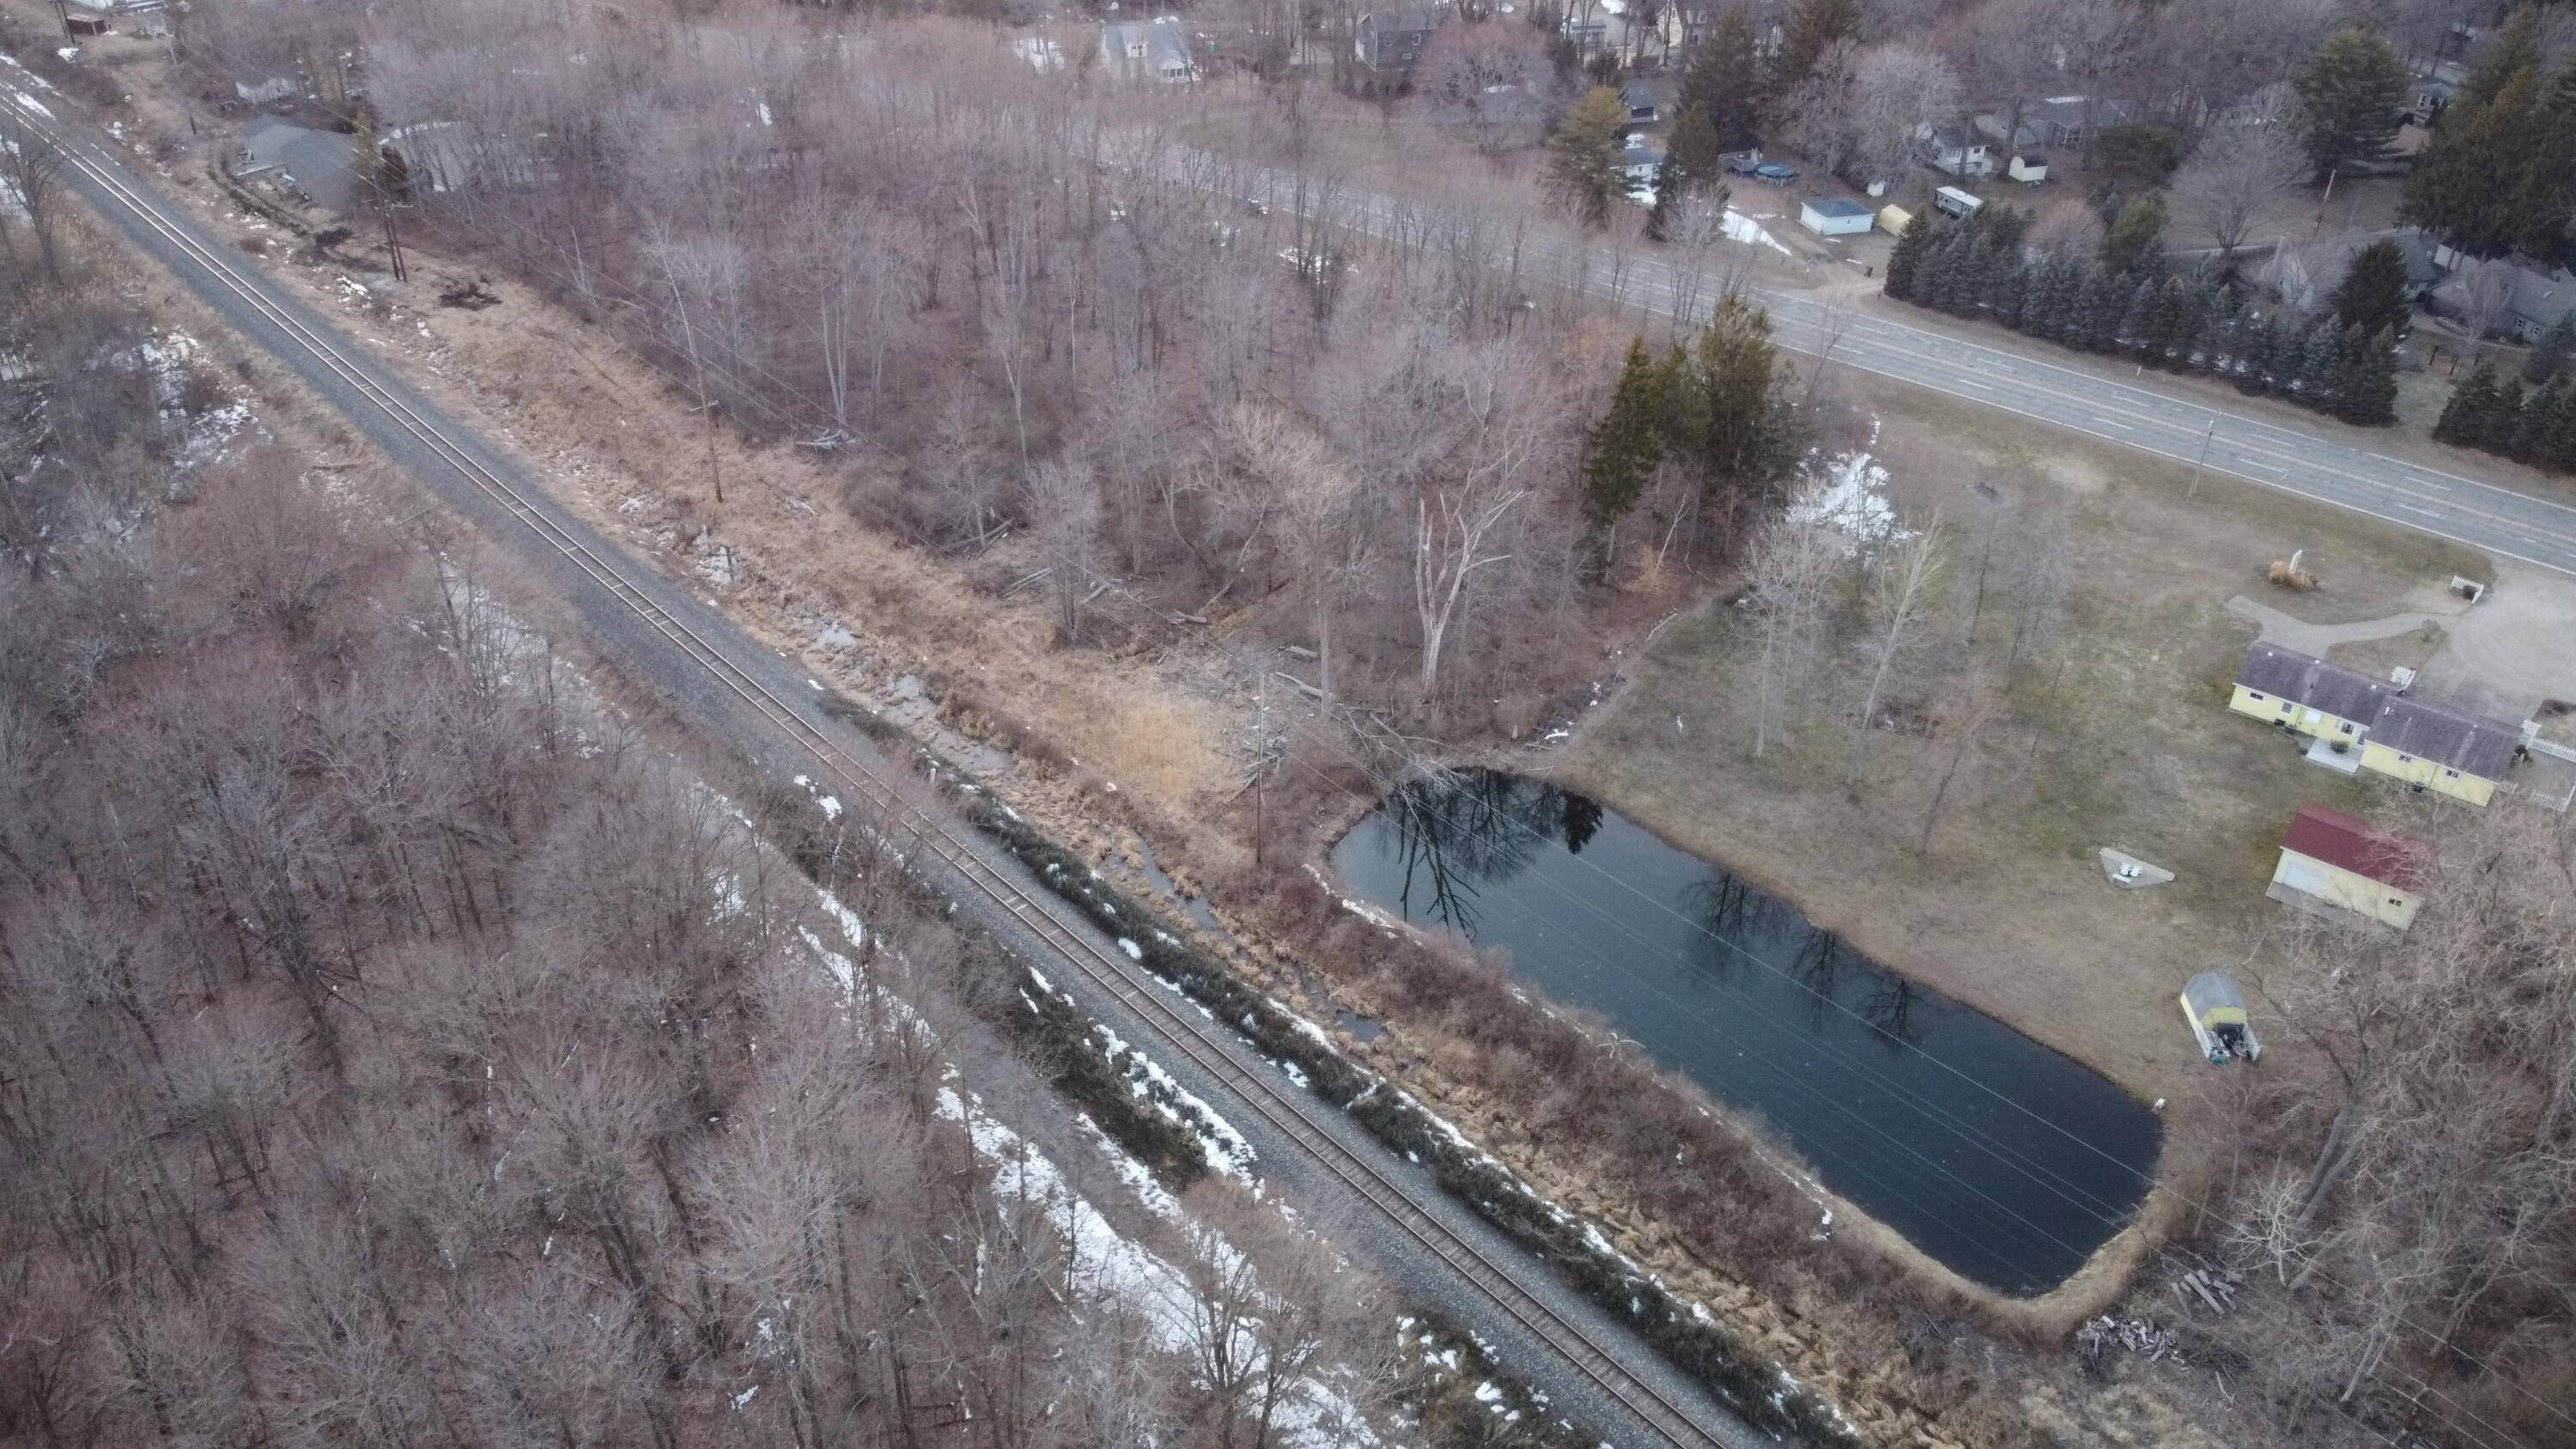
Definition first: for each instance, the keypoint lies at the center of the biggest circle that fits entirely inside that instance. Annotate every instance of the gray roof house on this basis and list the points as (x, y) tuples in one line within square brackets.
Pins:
[(2541, 296), (259, 85), (1392, 40), (2293, 678), (2058, 121), (317, 165), (1643, 105), (2446, 737), (1157, 49)]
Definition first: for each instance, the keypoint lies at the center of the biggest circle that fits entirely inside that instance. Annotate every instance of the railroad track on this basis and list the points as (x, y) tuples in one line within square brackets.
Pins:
[(1292, 1113)]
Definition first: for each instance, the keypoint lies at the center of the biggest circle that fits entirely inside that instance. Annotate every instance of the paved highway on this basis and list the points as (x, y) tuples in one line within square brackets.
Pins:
[(2330, 465), (716, 679)]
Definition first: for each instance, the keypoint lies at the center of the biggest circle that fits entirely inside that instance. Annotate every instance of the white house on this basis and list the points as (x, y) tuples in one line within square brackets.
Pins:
[(1157, 49), (1957, 152), (1833, 216)]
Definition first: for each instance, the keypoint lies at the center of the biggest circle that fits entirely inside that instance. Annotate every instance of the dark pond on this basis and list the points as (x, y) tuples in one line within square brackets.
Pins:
[(2001, 1158)]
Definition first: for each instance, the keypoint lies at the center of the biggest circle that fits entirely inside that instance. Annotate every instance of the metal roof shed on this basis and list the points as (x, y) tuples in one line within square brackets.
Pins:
[(2215, 1006)]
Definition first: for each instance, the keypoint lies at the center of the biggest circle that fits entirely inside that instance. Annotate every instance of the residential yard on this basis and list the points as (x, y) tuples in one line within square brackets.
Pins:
[(2117, 736)]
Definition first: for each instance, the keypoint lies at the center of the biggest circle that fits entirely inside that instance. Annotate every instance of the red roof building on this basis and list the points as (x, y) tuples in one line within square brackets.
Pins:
[(2342, 862)]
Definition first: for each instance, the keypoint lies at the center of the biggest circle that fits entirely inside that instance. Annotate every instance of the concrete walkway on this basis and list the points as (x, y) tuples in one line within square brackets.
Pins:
[(2315, 639)]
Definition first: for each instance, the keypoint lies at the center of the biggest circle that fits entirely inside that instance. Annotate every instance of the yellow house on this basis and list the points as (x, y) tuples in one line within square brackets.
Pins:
[(2437, 749), (2350, 868), (2286, 688)]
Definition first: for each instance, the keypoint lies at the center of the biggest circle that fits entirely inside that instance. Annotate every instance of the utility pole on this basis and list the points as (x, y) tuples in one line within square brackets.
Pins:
[(2194, 490), (393, 245)]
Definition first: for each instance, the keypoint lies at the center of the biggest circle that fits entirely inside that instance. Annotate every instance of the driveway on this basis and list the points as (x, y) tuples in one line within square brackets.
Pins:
[(2513, 648)]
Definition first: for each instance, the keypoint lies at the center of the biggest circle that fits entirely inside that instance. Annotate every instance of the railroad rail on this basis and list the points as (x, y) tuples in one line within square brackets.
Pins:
[(1290, 1112)]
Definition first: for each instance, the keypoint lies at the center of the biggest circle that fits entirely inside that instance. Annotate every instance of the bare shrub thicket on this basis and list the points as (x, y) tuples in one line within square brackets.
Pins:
[(395, 1049)]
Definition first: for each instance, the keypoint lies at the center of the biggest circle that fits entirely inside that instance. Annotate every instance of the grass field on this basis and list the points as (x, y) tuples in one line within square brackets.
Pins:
[(2117, 736)]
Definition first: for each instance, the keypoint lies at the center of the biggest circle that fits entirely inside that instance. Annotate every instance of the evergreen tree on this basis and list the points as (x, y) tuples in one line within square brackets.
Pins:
[(1725, 81), (2531, 425), (1623, 449), (2132, 237), (2133, 320), (2096, 317), (2168, 320), (2012, 293), (2320, 364), (2004, 227), (1813, 28), (2548, 189), (2473, 180), (1969, 281), (1583, 156), (1907, 260), (2258, 359), (2060, 305), (1690, 163), (2469, 416), (2556, 448), (2504, 420), (2349, 95), (1741, 441), (2365, 389), (2550, 354), (2372, 294)]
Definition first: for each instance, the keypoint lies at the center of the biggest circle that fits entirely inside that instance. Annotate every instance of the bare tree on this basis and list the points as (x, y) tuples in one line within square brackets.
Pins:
[(1903, 591), (2485, 292), (1789, 574), (1821, 117), (2240, 165), (1064, 514), (1316, 499), (31, 168), (1897, 90)]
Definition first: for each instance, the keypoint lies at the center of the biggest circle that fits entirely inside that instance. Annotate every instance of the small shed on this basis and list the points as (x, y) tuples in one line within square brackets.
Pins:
[(1640, 100), (80, 26), (2346, 869), (2028, 166), (1833, 216), (2215, 1006), (1894, 219)]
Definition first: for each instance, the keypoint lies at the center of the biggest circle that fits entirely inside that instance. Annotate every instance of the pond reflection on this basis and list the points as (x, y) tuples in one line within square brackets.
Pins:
[(2001, 1158)]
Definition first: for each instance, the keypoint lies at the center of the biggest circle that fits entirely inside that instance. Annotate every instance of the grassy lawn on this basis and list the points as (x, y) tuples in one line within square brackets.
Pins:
[(2114, 734)]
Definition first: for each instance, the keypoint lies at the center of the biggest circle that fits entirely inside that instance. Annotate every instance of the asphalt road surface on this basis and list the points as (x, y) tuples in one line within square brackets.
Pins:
[(718, 680), (2331, 466)]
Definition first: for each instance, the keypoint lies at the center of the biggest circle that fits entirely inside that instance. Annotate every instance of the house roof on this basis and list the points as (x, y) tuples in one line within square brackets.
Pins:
[(1402, 18), (2447, 737), (2331, 688), (319, 162), (1164, 43), (2350, 843), (1834, 206)]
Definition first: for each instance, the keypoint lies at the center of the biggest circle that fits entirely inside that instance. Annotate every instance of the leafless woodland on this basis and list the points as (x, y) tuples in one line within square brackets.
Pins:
[(398, 1047)]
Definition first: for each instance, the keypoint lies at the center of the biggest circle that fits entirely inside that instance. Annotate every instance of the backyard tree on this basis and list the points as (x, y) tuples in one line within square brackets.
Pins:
[(2132, 240), (1725, 81), (1814, 28), (2550, 355), (2469, 417), (2349, 95), (2372, 294), (1583, 156), (2137, 154), (2237, 170), (1789, 573)]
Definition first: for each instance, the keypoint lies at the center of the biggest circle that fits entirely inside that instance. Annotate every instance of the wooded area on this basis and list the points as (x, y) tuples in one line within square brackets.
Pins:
[(398, 1046)]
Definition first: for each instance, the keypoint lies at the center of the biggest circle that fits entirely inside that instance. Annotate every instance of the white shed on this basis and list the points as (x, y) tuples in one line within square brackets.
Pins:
[(1833, 216)]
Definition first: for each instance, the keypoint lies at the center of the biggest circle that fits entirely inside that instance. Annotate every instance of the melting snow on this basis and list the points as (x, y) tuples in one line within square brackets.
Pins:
[(1848, 500)]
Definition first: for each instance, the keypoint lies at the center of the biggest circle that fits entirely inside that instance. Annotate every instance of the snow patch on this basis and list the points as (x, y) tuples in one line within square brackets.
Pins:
[(1849, 500)]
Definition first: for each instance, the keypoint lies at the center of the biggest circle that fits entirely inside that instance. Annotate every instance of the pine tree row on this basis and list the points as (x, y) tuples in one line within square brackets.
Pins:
[(2169, 322), (2529, 425)]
